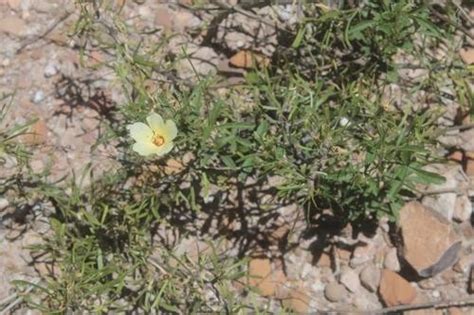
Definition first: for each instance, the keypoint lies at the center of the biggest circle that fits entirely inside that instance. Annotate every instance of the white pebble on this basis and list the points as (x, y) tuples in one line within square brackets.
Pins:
[(50, 70), (38, 97), (344, 122)]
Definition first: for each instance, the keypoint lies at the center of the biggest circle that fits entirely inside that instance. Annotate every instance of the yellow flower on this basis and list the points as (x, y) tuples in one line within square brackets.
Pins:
[(156, 137)]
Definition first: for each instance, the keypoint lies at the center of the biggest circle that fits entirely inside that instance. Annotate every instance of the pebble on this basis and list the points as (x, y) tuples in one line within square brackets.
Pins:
[(13, 25), (391, 260), (370, 277), (462, 209), (298, 301), (6, 62), (350, 279), (335, 292), (362, 255), (344, 122), (50, 70), (463, 264), (38, 97), (3, 203)]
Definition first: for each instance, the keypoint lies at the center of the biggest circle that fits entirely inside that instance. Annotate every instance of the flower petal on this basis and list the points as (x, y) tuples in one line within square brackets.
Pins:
[(145, 148), (167, 147), (154, 121), (140, 132), (170, 130)]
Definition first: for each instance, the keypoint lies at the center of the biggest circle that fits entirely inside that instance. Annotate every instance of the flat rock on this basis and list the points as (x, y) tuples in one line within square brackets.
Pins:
[(198, 61), (264, 278), (350, 279), (297, 301), (335, 292), (391, 260), (13, 25), (464, 264), (444, 203), (427, 252), (248, 59), (462, 209), (394, 290), (370, 277)]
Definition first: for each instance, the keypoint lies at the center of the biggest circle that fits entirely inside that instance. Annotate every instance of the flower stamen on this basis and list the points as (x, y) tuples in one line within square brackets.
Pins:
[(158, 140)]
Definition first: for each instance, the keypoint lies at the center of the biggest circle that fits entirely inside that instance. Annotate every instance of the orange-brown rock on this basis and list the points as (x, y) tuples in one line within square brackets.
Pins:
[(467, 55), (13, 25), (456, 156), (263, 278), (324, 260), (430, 243), (37, 133), (298, 300), (395, 290), (248, 59)]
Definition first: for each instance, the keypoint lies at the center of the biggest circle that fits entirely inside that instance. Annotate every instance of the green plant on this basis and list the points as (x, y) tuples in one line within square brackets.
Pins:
[(318, 119)]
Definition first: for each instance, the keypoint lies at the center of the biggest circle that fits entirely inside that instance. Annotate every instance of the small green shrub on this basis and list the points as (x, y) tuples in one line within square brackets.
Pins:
[(317, 118)]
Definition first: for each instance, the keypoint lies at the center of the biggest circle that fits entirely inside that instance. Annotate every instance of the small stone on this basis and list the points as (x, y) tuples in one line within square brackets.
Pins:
[(184, 20), (280, 233), (6, 62), (343, 254), (428, 284), (199, 61), (38, 97), (362, 254), (13, 25), (462, 209), (31, 238), (324, 260), (163, 18), (464, 264), (247, 59), (394, 290), (370, 277), (3, 204), (280, 282), (298, 301), (444, 203), (427, 252), (391, 260), (37, 134), (47, 269), (467, 55), (456, 156), (350, 280), (335, 292), (260, 273), (50, 70)]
